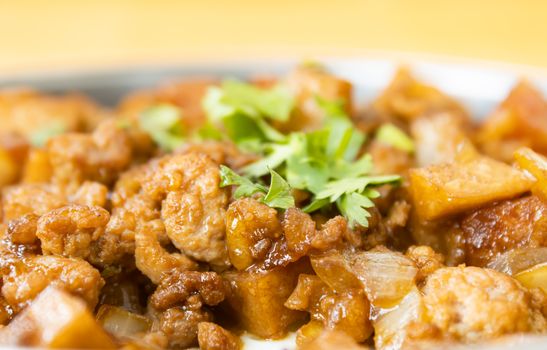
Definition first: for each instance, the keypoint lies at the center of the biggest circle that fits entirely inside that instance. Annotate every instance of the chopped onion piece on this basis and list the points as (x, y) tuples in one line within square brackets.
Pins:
[(386, 276), (120, 322), (390, 327), (517, 260), (535, 277), (535, 164), (334, 269)]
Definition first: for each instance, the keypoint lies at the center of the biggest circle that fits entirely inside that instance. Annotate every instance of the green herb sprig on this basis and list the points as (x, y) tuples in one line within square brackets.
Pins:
[(325, 162), (277, 195)]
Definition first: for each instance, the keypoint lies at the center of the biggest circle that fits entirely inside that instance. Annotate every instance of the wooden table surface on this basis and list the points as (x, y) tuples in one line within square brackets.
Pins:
[(61, 34)]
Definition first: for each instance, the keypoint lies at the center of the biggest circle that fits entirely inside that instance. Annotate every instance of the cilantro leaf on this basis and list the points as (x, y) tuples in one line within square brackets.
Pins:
[(276, 155), (39, 137), (391, 135), (324, 162), (335, 189), (242, 109), (278, 195), (163, 124), (246, 187), (275, 103), (353, 206), (208, 132)]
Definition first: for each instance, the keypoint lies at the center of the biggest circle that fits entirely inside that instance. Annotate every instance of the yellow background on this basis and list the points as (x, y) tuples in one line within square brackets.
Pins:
[(64, 34)]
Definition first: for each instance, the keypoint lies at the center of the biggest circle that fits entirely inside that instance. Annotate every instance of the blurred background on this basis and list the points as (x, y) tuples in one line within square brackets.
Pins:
[(67, 34)]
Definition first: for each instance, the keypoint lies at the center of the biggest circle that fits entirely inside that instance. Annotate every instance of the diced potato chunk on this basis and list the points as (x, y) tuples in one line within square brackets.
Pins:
[(257, 299), (8, 169), (333, 340), (408, 98), (536, 165), (440, 138), (249, 222), (536, 277), (308, 332), (521, 120), (446, 189), (37, 168), (56, 319)]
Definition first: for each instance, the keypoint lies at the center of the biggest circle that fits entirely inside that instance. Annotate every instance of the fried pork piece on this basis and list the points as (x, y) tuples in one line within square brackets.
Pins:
[(426, 259), (221, 152), (128, 208), (407, 98), (178, 304), (346, 311), (26, 112), (100, 156), (469, 304), (72, 231), (439, 191), (180, 285), (213, 337), (153, 260), (24, 199), (40, 198), (256, 298), (308, 82), (520, 120), (56, 319), (23, 229), (193, 206), (255, 234), (24, 278), (175, 199), (504, 226)]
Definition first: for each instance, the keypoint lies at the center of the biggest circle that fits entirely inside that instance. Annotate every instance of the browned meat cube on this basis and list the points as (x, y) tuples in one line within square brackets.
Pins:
[(257, 299), (500, 227)]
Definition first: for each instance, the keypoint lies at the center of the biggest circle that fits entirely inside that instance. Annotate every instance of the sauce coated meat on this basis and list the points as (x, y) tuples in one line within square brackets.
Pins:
[(204, 212)]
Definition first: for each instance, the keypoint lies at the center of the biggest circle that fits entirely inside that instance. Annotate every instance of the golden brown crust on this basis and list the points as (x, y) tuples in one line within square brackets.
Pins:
[(213, 337), (470, 304), (504, 226)]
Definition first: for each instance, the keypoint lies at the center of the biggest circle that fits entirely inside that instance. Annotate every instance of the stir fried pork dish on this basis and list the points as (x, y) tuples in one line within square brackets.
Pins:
[(207, 210)]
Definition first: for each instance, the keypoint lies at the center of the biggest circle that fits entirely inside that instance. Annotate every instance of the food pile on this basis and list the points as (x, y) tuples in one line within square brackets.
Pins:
[(206, 209)]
